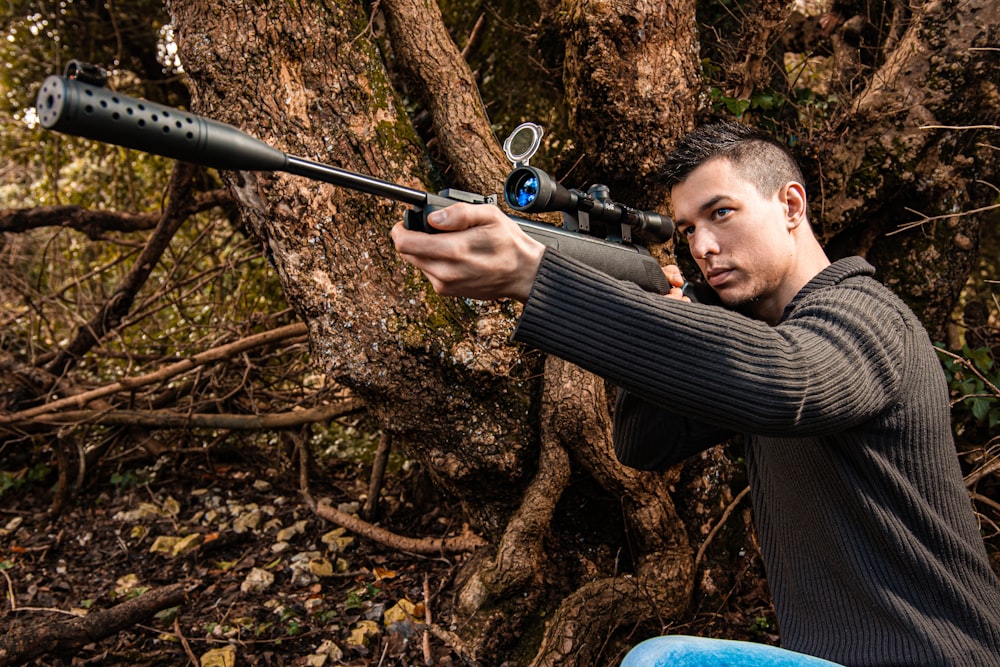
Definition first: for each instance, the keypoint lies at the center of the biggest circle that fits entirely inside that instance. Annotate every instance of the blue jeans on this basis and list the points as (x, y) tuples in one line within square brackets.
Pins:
[(681, 651)]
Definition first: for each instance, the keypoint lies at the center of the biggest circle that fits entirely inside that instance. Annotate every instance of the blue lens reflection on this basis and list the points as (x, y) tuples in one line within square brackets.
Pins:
[(527, 191)]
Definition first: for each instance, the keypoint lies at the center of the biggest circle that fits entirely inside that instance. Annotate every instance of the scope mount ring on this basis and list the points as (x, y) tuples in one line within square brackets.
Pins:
[(87, 73), (521, 144)]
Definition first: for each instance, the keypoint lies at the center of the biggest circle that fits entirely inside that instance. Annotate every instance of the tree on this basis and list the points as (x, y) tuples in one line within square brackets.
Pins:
[(874, 97), (439, 373)]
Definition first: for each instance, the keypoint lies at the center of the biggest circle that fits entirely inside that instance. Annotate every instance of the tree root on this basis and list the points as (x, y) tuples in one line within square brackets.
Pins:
[(664, 572), (520, 555)]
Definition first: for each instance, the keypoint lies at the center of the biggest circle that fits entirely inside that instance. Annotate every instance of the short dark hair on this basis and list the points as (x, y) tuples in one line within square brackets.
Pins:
[(760, 158)]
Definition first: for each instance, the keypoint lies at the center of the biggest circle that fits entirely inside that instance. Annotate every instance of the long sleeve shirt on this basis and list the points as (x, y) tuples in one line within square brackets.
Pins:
[(870, 544)]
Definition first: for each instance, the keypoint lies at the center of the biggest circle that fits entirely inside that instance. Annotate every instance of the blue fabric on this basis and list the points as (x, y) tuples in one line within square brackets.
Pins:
[(681, 651)]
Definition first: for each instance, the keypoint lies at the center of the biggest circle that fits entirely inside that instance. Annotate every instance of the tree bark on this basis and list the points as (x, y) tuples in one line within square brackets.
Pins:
[(632, 82)]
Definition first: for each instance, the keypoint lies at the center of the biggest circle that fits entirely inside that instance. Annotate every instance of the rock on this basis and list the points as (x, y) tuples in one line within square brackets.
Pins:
[(336, 540), (301, 569), (257, 581), (349, 508), (321, 567), (123, 585), (363, 632), (402, 611), (248, 521), (286, 534)]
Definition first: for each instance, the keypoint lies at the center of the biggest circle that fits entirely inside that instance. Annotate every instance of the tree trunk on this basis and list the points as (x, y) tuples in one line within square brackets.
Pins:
[(305, 77)]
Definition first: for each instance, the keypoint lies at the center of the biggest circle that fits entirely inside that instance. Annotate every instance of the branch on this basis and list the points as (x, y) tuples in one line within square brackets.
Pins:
[(91, 223), (18, 647), (760, 31), (430, 546), (96, 223), (924, 218), (169, 419), (446, 85), (130, 384)]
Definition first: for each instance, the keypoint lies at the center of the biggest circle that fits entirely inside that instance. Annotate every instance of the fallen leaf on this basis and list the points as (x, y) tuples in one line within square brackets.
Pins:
[(400, 612), (362, 633), (220, 657), (164, 544)]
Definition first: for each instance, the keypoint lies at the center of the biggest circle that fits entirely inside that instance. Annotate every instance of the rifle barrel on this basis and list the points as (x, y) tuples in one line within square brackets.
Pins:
[(349, 179)]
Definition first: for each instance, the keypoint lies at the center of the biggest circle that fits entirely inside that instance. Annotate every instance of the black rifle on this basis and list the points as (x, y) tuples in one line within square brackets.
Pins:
[(79, 104)]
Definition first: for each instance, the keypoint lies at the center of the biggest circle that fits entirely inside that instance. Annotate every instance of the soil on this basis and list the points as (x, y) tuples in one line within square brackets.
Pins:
[(266, 577)]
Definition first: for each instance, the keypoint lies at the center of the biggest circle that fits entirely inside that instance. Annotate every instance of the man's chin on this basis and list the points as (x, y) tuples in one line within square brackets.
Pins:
[(735, 300)]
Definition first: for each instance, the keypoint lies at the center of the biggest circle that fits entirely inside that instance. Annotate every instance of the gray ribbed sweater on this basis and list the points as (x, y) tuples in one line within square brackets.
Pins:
[(871, 549)]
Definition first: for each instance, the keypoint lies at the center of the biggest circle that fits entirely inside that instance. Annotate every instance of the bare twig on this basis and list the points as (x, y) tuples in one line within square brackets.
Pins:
[(428, 656), (21, 646), (718, 526), (155, 419), (971, 367), (303, 453), (184, 642), (931, 218), (111, 313), (960, 127), (370, 510)]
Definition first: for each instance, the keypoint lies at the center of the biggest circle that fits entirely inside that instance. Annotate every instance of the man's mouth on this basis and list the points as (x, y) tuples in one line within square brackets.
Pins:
[(718, 276)]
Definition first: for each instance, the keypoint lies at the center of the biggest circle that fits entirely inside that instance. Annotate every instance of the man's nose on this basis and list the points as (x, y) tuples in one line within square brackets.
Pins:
[(703, 243)]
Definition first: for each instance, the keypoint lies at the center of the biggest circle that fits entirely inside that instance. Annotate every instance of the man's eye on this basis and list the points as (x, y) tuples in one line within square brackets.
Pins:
[(687, 230), (721, 212)]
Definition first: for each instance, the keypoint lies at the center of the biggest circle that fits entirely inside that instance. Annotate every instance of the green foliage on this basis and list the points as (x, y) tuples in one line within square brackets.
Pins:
[(974, 378), (18, 479), (126, 479), (359, 597)]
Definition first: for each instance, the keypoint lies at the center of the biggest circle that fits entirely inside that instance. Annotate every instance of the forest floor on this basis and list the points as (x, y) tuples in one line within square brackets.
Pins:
[(265, 580)]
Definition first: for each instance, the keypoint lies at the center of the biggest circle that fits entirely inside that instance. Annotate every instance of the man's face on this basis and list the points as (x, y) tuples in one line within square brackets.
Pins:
[(740, 239)]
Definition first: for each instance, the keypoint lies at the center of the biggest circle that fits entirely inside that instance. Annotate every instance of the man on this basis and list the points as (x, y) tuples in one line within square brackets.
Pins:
[(871, 548)]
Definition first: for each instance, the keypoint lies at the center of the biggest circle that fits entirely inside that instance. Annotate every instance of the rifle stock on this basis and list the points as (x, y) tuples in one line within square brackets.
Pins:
[(72, 106)]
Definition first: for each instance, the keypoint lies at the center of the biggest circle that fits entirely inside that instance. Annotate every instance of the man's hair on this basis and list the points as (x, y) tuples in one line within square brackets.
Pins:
[(758, 157)]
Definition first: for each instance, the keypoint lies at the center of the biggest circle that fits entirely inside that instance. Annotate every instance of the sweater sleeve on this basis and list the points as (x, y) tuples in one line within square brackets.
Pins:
[(831, 365), (647, 437)]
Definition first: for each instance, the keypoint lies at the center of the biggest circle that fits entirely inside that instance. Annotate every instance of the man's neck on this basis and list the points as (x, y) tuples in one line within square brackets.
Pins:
[(771, 309)]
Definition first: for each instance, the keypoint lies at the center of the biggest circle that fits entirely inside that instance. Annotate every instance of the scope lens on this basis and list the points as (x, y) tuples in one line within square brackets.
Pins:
[(526, 190)]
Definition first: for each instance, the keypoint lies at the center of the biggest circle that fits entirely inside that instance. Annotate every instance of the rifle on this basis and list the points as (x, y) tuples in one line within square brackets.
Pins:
[(597, 231)]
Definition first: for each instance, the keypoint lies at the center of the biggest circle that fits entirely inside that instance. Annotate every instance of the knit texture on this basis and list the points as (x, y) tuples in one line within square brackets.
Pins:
[(870, 544)]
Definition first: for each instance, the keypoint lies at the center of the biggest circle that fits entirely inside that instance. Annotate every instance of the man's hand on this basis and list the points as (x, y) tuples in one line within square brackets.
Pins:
[(483, 255), (676, 280)]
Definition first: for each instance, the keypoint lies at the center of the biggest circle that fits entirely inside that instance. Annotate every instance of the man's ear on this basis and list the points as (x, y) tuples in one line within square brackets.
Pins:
[(793, 197)]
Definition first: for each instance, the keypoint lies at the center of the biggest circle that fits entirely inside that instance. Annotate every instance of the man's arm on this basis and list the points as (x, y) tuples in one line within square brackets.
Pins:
[(649, 437)]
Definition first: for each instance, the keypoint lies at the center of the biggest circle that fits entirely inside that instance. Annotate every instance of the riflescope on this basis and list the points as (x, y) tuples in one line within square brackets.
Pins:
[(531, 190)]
